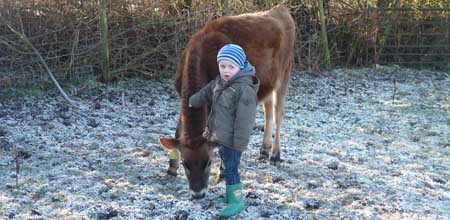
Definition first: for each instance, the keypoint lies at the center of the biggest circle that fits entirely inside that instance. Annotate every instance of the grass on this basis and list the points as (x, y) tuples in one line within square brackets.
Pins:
[(10, 93)]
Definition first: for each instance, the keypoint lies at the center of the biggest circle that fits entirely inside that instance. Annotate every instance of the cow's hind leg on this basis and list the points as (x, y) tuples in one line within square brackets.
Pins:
[(279, 102), (268, 126)]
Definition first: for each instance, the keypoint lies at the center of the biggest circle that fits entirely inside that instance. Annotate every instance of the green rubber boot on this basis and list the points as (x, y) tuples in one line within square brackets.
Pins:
[(235, 200), (221, 200)]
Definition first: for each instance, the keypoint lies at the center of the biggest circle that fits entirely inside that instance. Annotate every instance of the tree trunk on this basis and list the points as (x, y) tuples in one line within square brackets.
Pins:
[(323, 34), (106, 74)]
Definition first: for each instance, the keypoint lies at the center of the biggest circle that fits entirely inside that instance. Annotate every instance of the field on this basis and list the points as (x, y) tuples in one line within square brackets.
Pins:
[(370, 143)]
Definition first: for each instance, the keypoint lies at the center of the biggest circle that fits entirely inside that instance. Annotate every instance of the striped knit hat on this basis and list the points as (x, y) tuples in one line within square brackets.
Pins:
[(233, 53)]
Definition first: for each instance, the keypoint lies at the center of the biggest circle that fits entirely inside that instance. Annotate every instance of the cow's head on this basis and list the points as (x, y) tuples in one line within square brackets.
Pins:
[(196, 161)]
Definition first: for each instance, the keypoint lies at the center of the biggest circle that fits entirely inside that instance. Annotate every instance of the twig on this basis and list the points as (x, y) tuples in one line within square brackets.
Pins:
[(123, 99), (394, 89), (17, 163), (97, 98), (8, 43)]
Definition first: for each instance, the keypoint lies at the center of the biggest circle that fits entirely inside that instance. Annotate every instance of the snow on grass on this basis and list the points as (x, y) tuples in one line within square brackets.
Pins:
[(352, 148)]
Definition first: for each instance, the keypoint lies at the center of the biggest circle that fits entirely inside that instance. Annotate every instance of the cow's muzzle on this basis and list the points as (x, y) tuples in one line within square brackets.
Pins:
[(200, 194)]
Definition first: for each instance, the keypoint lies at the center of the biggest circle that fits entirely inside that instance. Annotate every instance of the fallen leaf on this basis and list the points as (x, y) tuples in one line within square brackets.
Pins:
[(109, 182), (144, 154)]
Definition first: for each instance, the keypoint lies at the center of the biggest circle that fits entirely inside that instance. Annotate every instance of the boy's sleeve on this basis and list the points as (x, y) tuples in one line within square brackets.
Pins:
[(245, 117), (202, 97)]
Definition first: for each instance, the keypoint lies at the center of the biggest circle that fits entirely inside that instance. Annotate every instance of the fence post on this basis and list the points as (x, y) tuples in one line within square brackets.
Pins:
[(323, 34), (107, 77), (448, 40)]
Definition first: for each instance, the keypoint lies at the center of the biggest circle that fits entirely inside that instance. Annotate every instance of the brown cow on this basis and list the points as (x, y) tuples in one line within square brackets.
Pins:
[(268, 41)]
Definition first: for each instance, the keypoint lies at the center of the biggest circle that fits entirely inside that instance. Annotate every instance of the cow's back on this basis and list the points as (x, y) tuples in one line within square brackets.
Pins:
[(267, 38)]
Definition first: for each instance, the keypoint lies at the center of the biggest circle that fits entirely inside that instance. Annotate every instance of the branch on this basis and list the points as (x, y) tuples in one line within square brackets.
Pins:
[(23, 37)]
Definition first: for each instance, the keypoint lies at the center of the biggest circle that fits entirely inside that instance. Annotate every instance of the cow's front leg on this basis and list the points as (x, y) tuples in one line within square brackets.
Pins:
[(174, 161)]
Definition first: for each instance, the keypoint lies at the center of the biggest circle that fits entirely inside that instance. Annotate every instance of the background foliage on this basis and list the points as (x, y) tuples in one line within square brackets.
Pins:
[(147, 37)]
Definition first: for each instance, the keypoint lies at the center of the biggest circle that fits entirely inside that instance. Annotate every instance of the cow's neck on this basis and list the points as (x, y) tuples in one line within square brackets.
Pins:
[(193, 119)]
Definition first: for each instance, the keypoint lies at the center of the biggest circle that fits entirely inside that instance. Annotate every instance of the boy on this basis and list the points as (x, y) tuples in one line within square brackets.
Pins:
[(232, 97)]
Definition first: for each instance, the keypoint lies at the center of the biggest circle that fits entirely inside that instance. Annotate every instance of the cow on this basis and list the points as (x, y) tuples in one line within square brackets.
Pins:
[(268, 41)]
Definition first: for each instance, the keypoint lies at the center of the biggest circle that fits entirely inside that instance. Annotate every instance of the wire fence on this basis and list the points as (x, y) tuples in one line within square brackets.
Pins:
[(139, 46), (412, 43), (146, 38)]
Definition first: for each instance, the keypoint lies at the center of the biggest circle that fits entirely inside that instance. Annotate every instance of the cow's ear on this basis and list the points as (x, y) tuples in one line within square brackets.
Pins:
[(169, 143)]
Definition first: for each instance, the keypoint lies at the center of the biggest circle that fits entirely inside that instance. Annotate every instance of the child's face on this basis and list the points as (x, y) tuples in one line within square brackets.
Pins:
[(227, 69)]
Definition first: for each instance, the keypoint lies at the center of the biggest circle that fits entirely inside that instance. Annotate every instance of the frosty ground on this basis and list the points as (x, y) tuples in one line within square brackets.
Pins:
[(358, 144)]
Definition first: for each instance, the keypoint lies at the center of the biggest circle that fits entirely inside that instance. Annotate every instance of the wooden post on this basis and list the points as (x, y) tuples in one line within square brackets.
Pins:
[(448, 39), (107, 77), (323, 35)]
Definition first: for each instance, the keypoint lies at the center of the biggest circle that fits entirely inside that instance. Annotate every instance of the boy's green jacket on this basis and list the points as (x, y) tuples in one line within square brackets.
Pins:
[(233, 108)]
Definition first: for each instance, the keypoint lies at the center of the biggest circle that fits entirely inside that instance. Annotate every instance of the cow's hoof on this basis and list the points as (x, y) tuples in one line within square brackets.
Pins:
[(263, 156), (171, 173), (275, 160)]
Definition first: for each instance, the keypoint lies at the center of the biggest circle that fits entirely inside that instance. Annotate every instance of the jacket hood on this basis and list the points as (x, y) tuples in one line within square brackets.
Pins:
[(247, 76), (248, 70)]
